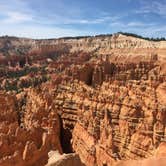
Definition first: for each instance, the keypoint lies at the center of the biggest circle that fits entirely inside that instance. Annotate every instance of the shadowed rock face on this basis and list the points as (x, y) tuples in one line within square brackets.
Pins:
[(104, 99)]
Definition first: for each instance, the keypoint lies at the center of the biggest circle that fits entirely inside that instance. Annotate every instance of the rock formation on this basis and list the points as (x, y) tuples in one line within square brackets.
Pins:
[(124, 122), (27, 141), (101, 97), (56, 159)]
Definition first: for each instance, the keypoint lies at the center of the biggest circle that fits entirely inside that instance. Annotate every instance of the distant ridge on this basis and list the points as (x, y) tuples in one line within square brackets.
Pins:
[(99, 35), (141, 37)]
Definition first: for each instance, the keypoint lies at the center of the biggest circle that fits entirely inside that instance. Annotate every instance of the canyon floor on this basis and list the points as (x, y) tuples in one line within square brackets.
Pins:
[(85, 101)]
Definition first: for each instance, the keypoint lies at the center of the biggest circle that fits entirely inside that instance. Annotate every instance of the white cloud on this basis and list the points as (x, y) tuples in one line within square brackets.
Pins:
[(37, 32), (20, 19), (152, 7), (15, 11), (141, 28), (99, 20), (16, 17), (133, 24), (18, 11)]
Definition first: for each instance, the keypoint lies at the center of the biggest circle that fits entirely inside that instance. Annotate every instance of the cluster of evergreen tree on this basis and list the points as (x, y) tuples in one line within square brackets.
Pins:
[(20, 73), (77, 37), (8, 38), (141, 37), (123, 33), (17, 85)]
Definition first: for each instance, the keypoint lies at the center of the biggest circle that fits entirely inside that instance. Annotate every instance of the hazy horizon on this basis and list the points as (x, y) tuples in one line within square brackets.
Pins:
[(63, 18)]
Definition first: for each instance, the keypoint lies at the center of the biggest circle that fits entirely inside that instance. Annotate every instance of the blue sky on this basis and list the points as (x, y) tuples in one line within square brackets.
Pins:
[(57, 18)]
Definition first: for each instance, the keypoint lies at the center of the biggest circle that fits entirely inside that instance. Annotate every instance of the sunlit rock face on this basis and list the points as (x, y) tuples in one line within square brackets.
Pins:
[(103, 99), (158, 159), (55, 159), (29, 142), (122, 123)]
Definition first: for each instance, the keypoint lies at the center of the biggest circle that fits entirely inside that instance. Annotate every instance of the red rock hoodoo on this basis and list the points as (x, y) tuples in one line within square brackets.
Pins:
[(103, 98)]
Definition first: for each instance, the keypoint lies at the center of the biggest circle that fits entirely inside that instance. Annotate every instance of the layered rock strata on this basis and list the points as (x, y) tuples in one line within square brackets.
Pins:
[(122, 122), (107, 105), (27, 144)]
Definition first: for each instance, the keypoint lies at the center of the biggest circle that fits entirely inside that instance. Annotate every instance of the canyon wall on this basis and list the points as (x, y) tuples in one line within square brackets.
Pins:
[(116, 43), (100, 97), (124, 122), (27, 137)]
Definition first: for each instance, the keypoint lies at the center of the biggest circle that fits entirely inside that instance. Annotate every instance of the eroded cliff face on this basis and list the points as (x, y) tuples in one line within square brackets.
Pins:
[(116, 43), (125, 122), (104, 99), (158, 159), (28, 143), (119, 116)]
